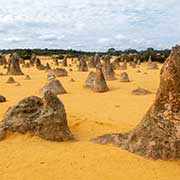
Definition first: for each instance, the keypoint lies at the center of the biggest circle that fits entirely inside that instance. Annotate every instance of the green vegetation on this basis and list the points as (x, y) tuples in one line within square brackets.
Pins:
[(156, 55)]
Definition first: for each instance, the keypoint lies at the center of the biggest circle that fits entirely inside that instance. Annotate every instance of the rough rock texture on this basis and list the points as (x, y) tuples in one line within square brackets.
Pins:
[(38, 64), (124, 77), (45, 118), (97, 59), (100, 82), (96, 81), (89, 83), (64, 63), (10, 80), (116, 64), (33, 59), (82, 67), (2, 99), (157, 136), (140, 91), (108, 69), (3, 60), (13, 65), (54, 86), (60, 72), (91, 62)]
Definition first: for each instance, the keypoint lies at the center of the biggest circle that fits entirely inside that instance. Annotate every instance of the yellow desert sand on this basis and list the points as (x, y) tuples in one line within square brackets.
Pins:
[(26, 157)]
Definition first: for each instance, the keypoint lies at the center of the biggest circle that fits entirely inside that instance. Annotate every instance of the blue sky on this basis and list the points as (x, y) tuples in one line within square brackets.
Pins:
[(93, 25)]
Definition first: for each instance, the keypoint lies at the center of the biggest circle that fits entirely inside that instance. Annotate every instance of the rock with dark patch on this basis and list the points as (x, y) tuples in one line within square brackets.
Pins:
[(10, 80), (54, 86), (82, 67), (13, 65), (124, 77), (108, 69), (60, 72), (157, 136), (140, 91), (2, 99), (45, 118)]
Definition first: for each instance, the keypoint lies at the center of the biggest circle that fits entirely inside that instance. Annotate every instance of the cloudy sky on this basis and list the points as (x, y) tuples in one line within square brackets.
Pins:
[(89, 24)]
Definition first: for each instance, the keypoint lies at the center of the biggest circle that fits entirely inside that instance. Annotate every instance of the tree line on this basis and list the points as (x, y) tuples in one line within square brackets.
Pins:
[(143, 55)]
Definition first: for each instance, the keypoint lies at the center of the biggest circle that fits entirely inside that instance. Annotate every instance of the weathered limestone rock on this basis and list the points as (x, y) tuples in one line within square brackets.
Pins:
[(45, 118), (157, 136), (13, 65), (54, 86), (140, 91), (124, 77)]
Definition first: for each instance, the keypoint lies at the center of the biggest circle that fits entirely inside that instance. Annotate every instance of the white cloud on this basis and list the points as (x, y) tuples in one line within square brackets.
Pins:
[(89, 24)]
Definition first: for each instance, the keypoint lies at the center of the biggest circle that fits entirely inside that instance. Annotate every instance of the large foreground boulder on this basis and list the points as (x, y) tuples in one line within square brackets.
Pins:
[(54, 86), (157, 136), (45, 118), (13, 65)]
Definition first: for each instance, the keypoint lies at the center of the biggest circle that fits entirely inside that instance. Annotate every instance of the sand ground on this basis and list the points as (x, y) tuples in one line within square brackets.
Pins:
[(23, 157)]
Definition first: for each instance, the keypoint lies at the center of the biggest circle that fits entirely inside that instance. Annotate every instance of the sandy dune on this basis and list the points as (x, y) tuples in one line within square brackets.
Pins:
[(23, 157)]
